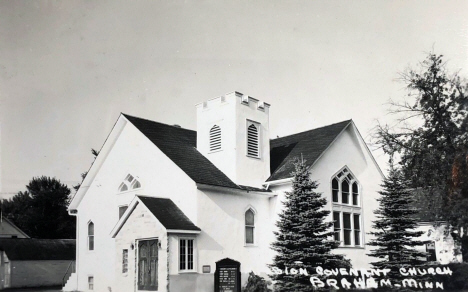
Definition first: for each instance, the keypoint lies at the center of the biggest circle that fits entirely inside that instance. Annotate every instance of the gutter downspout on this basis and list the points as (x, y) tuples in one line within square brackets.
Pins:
[(277, 182)]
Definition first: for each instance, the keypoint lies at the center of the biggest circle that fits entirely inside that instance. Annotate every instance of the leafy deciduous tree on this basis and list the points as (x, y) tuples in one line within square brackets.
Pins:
[(432, 141), (41, 211)]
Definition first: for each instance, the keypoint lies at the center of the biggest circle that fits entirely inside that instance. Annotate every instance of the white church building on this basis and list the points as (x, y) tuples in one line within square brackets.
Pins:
[(162, 204)]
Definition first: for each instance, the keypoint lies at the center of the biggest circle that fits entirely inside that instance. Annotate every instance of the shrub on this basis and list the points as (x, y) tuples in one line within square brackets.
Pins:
[(256, 283)]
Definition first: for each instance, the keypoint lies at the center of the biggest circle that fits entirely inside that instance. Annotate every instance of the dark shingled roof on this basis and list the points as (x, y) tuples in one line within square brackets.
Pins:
[(31, 249), (170, 216), (310, 144), (180, 146)]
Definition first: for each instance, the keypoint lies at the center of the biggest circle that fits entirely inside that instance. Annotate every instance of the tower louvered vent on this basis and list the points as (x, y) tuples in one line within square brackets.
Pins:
[(215, 138), (252, 141)]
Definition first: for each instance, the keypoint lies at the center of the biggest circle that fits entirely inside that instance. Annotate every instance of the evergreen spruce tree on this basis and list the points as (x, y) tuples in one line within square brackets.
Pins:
[(304, 235), (395, 235)]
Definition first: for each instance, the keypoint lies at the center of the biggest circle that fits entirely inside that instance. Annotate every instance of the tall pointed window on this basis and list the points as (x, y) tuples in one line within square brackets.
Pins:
[(249, 226), (253, 139), (215, 138), (90, 236), (129, 183), (346, 209)]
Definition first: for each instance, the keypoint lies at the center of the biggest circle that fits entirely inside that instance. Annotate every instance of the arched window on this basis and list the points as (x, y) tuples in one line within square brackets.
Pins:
[(346, 208), (249, 226), (91, 236), (130, 183), (345, 192), (253, 140), (335, 190), (343, 184), (215, 138), (355, 194)]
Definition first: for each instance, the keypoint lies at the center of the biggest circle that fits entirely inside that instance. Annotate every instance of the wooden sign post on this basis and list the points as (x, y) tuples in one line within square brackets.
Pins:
[(227, 276)]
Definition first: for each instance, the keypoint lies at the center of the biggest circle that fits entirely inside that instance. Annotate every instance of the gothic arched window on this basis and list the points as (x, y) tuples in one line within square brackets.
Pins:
[(129, 183), (346, 208), (249, 226), (90, 235)]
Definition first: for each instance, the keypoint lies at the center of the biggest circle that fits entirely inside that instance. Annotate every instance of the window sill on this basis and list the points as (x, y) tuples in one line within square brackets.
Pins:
[(188, 272), (255, 157), (351, 247), (215, 151), (129, 191), (345, 205), (251, 245)]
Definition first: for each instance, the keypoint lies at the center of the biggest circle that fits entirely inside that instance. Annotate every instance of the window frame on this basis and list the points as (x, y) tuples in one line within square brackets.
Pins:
[(352, 231), (345, 174), (431, 252), (91, 282), (121, 208), (351, 182), (194, 255), (254, 237), (125, 261), (257, 126), (91, 237), (129, 184), (336, 226)]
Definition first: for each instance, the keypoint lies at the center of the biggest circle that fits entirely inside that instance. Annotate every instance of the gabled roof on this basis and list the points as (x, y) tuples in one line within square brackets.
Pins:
[(7, 221), (180, 146), (170, 216), (31, 249), (310, 144), (164, 210)]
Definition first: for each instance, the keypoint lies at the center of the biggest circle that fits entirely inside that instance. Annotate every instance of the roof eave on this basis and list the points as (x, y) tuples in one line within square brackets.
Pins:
[(201, 186), (96, 165), (182, 231)]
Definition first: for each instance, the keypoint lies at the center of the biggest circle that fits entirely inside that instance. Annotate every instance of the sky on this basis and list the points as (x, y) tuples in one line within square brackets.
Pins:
[(69, 68)]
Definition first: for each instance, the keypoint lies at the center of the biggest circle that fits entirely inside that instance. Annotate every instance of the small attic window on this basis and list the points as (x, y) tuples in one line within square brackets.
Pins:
[(253, 139), (130, 183), (215, 138)]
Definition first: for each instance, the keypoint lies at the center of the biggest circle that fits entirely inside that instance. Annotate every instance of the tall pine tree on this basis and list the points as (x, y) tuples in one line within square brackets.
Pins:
[(303, 234), (395, 237)]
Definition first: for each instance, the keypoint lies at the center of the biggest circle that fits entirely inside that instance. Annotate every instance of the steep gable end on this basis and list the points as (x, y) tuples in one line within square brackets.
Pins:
[(164, 210), (180, 146), (310, 144), (167, 212)]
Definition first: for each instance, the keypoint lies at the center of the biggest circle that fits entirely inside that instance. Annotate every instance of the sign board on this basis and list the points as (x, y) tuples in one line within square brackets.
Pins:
[(227, 276)]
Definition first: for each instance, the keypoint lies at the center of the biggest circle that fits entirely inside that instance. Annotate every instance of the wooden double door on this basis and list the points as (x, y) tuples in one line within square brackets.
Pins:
[(148, 265)]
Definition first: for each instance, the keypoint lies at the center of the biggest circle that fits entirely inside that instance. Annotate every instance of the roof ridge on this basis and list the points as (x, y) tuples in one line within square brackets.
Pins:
[(306, 131), (156, 122)]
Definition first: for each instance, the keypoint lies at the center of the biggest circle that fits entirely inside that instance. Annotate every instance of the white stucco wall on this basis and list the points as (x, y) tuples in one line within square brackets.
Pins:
[(348, 151), (140, 225), (221, 219), (132, 153), (225, 236)]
